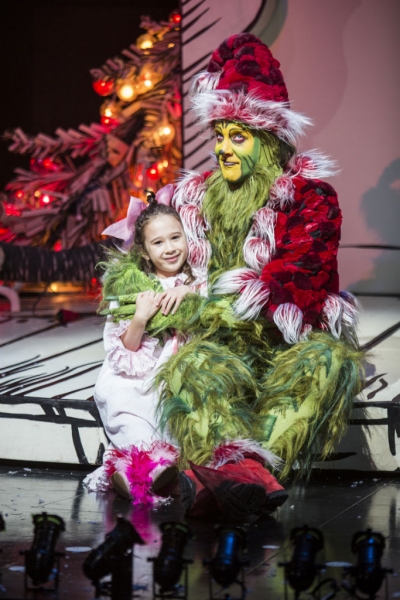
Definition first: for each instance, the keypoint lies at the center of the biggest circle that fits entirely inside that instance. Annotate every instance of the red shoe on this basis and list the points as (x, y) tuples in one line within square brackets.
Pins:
[(197, 501), (238, 482), (242, 489)]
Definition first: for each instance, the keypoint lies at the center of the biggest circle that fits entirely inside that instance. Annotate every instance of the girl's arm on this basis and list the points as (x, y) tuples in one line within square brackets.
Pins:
[(147, 304)]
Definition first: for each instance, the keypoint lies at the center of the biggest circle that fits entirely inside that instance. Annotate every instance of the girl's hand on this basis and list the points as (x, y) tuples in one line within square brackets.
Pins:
[(170, 300), (146, 306)]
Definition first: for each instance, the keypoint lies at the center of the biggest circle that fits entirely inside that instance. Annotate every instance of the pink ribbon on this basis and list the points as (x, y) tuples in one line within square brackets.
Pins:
[(125, 228)]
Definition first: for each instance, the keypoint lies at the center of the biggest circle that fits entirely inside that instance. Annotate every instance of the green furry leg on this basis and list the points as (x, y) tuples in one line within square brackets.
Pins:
[(208, 395), (306, 398)]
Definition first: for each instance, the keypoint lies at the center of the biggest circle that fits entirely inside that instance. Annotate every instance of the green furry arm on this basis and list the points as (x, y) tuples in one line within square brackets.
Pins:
[(123, 276), (191, 305), (123, 280)]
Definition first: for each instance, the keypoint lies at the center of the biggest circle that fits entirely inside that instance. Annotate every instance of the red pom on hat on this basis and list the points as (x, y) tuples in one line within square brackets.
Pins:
[(247, 65)]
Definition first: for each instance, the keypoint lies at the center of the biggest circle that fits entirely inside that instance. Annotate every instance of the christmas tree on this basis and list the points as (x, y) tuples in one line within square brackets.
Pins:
[(80, 180)]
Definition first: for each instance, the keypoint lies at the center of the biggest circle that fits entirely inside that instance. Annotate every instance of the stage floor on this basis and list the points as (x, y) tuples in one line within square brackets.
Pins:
[(338, 505), (48, 371)]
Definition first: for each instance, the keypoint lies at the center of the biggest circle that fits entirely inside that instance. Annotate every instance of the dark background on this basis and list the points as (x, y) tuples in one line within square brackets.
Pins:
[(47, 48)]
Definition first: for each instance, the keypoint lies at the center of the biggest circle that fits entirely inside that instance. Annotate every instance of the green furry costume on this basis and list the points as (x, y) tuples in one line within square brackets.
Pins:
[(235, 378), (272, 355)]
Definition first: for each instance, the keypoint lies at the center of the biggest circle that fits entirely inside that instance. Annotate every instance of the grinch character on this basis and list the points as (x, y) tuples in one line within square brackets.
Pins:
[(272, 363)]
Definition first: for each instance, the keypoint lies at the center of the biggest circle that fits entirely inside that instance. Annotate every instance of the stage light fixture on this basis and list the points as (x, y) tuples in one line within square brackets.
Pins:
[(367, 573), (300, 572), (113, 556), (169, 564), (40, 559), (227, 563)]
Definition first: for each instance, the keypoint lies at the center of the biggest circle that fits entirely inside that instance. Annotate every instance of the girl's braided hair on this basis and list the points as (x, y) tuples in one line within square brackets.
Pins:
[(153, 210)]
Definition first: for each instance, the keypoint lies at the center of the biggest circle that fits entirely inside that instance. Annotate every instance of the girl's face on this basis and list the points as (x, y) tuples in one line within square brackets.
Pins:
[(165, 245)]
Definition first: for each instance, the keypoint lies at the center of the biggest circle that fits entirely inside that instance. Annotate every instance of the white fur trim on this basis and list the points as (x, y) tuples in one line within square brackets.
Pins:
[(351, 309), (313, 165), (199, 253), (340, 312), (233, 281), (289, 320), (204, 82), (277, 117), (189, 190), (251, 301), (161, 451), (281, 193), (332, 313), (259, 246), (236, 450), (254, 293), (194, 224)]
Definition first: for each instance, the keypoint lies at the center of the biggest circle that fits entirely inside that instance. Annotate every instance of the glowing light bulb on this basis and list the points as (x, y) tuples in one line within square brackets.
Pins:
[(46, 199), (126, 92), (164, 134), (145, 41)]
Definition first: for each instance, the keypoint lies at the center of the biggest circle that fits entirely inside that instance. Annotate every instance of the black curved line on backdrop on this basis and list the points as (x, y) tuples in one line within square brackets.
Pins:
[(96, 365), (195, 64), (381, 337), (54, 412), (255, 20), (27, 335), (191, 10), (17, 368), (199, 33), (371, 246), (193, 21)]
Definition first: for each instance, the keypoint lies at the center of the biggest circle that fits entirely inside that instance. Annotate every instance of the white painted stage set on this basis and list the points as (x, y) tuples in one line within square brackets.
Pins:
[(48, 371)]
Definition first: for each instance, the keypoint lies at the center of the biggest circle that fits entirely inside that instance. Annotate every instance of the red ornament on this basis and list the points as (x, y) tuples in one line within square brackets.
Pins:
[(103, 87), (176, 18), (48, 163), (152, 172), (109, 121)]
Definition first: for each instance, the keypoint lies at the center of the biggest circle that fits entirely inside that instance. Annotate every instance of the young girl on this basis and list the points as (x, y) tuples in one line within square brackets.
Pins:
[(139, 462)]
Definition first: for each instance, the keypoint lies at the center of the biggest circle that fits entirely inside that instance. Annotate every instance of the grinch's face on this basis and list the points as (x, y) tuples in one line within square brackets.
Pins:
[(237, 150)]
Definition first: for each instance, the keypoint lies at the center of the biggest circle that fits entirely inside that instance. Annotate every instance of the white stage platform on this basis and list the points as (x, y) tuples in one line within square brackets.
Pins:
[(48, 371)]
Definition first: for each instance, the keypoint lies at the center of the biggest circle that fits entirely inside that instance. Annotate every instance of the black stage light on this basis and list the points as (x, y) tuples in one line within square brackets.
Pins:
[(169, 564), (227, 563), (39, 560), (300, 572), (114, 556), (367, 573)]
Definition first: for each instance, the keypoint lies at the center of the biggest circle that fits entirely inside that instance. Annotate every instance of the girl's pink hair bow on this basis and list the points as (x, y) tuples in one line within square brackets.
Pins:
[(125, 228)]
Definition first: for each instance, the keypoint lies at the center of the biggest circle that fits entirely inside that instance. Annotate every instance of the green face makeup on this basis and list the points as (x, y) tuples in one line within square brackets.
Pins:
[(237, 149)]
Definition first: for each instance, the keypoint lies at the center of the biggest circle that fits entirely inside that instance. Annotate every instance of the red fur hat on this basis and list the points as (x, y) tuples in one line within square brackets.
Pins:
[(243, 83)]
